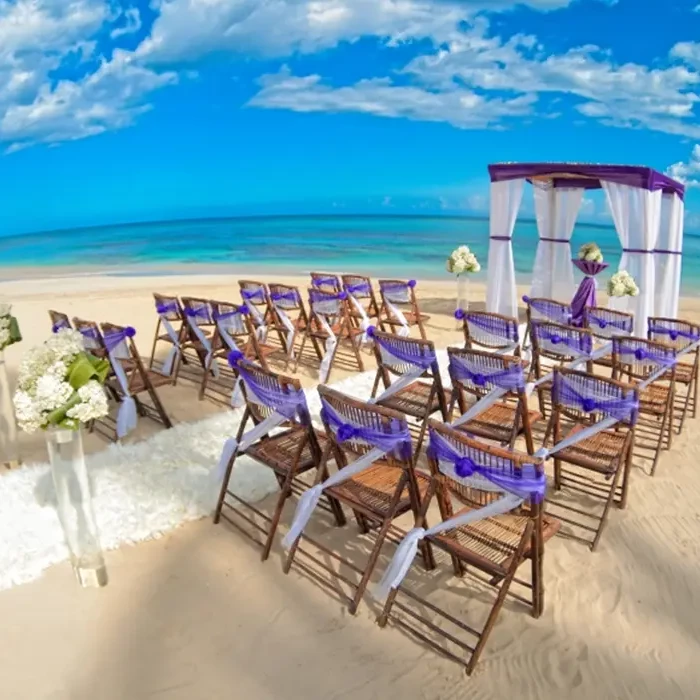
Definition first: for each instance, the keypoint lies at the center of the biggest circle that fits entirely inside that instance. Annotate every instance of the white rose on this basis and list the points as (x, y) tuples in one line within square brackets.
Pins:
[(5, 309)]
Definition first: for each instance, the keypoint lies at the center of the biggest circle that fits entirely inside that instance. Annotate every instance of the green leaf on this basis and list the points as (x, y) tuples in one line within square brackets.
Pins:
[(86, 367), (58, 415), (15, 335)]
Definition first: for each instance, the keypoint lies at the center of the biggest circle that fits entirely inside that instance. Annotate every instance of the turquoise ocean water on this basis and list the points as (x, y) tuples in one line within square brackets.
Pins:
[(406, 246)]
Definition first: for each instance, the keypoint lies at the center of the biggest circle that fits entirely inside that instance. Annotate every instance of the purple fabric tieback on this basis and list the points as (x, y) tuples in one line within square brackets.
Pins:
[(287, 404), (500, 238), (668, 252), (638, 250), (242, 309), (167, 308), (112, 340), (511, 378), (652, 355), (495, 326), (524, 482), (398, 286), (359, 288), (199, 312), (555, 240), (60, 325), (320, 281), (316, 296), (257, 296), (621, 324), (292, 296), (418, 354), (582, 343), (554, 312), (673, 333), (623, 409), (398, 439)]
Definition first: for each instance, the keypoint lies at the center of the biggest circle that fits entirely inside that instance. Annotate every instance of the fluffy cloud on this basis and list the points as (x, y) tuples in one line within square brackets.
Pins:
[(688, 173), (462, 108), (132, 23)]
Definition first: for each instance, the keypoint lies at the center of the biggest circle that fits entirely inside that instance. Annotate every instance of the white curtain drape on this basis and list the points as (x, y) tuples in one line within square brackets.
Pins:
[(668, 258), (501, 294), (556, 210), (637, 215)]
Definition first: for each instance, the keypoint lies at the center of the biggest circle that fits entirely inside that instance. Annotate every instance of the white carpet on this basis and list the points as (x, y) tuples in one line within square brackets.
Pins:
[(141, 491)]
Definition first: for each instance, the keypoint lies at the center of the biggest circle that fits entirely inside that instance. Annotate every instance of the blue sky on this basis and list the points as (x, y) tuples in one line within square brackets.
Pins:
[(115, 111)]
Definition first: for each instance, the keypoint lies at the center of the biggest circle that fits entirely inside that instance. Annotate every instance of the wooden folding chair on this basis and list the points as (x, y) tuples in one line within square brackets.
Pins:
[(326, 281), (491, 548), (139, 379), (170, 330), (484, 330), (599, 460), (542, 309), (606, 324), (360, 288), (234, 331), (399, 309), (679, 335), (290, 317), (375, 478), (256, 296), (58, 321), (476, 373), (198, 334), (290, 453), (554, 345), (418, 391), (328, 328), (636, 360)]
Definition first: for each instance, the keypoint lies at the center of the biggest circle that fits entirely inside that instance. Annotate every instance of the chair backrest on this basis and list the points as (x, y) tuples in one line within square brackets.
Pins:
[(359, 286), (548, 309), (58, 321), (559, 343), (459, 462), (235, 318), (639, 358), (254, 293), (398, 291), (286, 297), (588, 398), (199, 310), (477, 372), (169, 307), (329, 305), (607, 323), (326, 281), (93, 341), (488, 330), (397, 355), (672, 331), (355, 427)]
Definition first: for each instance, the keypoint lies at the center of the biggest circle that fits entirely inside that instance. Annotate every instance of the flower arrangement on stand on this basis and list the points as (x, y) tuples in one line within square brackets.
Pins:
[(60, 387), (9, 335), (622, 284), (590, 252), (590, 262), (462, 262)]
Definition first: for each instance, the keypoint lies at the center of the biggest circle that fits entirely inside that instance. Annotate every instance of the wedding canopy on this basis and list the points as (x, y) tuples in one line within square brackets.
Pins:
[(646, 207)]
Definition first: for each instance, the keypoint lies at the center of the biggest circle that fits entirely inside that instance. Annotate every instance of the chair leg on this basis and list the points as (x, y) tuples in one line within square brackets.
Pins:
[(383, 617), (662, 434), (277, 514), (686, 406), (695, 391), (626, 474), (158, 405), (557, 474), (606, 510)]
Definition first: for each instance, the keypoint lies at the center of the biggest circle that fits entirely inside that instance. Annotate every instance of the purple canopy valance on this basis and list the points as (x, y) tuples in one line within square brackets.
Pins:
[(587, 175)]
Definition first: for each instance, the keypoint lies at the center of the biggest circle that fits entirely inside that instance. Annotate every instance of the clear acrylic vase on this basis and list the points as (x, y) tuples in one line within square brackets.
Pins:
[(9, 447), (462, 294), (74, 503)]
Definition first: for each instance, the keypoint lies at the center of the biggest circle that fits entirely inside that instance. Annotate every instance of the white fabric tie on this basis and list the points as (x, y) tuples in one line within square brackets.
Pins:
[(404, 331), (175, 350), (402, 382), (291, 331), (364, 318), (261, 328), (331, 342), (407, 550), (205, 344), (127, 416), (236, 395)]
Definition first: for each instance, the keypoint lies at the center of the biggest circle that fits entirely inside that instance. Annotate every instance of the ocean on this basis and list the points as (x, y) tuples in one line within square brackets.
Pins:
[(403, 246)]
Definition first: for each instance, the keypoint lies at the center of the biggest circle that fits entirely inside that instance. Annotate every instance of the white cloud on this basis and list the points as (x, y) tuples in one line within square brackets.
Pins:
[(132, 23), (460, 107), (687, 173)]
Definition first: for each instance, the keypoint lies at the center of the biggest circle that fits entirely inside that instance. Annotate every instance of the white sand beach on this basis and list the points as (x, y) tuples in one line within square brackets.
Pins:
[(195, 615)]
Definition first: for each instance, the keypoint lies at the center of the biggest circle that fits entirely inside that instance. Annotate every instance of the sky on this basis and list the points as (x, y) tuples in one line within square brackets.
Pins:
[(129, 110)]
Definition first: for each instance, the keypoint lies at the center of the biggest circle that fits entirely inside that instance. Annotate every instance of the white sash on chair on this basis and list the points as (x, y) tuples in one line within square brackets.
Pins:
[(330, 345), (205, 344), (405, 330), (223, 328), (401, 382), (364, 318), (127, 416), (291, 330), (175, 350)]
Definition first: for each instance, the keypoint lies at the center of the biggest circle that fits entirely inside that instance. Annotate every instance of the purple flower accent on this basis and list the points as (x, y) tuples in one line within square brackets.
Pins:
[(234, 357), (244, 309), (526, 299), (460, 314), (411, 283), (370, 331), (588, 405), (479, 379), (346, 432), (673, 335), (556, 339), (190, 312), (640, 353), (342, 295), (129, 331), (602, 323), (464, 467)]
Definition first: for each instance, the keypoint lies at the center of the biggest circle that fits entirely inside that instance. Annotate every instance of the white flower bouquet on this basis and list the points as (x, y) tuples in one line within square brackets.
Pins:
[(622, 284), (462, 260), (590, 252), (9, 328), (61, 385)]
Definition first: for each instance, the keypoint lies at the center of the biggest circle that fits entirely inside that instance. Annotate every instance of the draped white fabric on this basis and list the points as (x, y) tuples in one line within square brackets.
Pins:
[(501, 295), (668, 265), (556, 210), (637, 214)]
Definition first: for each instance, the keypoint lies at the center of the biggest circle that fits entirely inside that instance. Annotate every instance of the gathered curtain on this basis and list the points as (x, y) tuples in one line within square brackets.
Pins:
[(668, 258)]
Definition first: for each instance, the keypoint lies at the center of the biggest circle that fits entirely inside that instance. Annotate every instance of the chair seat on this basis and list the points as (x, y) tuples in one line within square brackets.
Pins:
[(166, 338), (279, 451), (336, 328), (491, 543), (412, 400), (600, 452), (411, 318), (496, 422), (654, 399), (374, 488), (684, 373)]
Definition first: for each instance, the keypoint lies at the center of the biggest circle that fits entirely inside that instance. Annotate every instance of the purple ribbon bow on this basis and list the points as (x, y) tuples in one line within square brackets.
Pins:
[(320, 281), (167, 308), (497, 327), (359, 288), (525, 481), (405, 350), (653, 355), (257, 296), (60, 325), (582, 343), (242, 309), (554, 312), (112, 340), (621, 324), (511, 378), (199, 312), (316, 296), (621, 408), (398, 439), (674, 333), (292, 296)]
